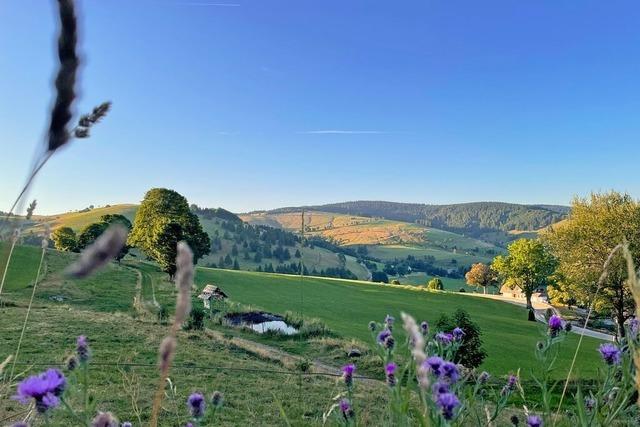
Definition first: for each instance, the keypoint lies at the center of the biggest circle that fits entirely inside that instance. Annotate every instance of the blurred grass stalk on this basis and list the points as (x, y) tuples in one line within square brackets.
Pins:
[(634, 287)]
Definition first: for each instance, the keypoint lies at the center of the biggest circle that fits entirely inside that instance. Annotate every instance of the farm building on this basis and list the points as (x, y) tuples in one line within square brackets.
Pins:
[(539, 295), (212, 292)]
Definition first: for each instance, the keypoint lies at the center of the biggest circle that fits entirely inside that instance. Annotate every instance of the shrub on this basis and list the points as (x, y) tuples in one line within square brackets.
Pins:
[(196, 320), (435, 284), (395, 282), (471, 353)]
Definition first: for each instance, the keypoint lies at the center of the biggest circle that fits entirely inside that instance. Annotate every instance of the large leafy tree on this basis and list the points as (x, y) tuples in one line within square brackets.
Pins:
[(65, 239), (582, 243), (163, 219), (90, 233), (481, 275), (528, 265)]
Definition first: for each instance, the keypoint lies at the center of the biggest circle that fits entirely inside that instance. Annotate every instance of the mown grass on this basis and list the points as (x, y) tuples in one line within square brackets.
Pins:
[(79, 220), (347, 307), (442, 257)]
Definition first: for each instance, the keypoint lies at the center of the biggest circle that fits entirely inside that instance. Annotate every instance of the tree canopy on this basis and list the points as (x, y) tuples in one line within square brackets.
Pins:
[(435, 284), (583, 242), (164, 219), (528, 265), (65, 239), (481, 275)]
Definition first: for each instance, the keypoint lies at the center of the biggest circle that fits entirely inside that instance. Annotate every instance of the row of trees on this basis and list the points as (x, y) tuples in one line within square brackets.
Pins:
[(65, 239), (568, 258)]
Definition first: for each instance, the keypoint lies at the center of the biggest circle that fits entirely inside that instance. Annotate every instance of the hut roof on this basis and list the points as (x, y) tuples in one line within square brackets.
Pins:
[(212, 291)]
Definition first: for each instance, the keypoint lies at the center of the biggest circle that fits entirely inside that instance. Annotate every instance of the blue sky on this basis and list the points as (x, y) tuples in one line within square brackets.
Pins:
[(253, 104)]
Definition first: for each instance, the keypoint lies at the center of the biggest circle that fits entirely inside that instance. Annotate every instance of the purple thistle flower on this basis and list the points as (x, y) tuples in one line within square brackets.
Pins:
[(449, 371), (44, 389), (534, 421), (439, 388), (512, 382), (345, 407), (104, 419), (610, 353), (188, 425), (347, 374), (484, 377), (126, 424), (444, 338), (555, 325), (20, 424), (447, 403), (589, 403), (383, 335), (424, 327), (390, 370), (216, 399), (196, 404), (388, 320), (458, 333), (82, 348), (433, 364), (389, 342)]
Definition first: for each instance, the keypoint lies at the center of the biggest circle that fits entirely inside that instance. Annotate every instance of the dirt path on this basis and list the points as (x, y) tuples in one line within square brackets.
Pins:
[(288, 360)]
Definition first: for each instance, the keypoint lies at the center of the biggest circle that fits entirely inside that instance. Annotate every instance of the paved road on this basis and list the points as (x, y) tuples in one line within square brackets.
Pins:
[(540, 309)]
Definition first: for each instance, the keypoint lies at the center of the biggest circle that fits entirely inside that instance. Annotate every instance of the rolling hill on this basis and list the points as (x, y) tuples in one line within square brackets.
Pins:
[(490, 221)]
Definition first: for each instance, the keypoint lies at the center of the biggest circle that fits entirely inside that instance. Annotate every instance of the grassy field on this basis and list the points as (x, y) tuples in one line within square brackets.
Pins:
[(102, 307), (347, 307), (443, 257), (79, 220), (124, 344)]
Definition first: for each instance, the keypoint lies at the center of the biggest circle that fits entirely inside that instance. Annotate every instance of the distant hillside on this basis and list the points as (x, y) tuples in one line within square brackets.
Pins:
[(495, 222)]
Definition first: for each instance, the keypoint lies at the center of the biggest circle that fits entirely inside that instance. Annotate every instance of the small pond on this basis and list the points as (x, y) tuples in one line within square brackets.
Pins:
[(261, 322)]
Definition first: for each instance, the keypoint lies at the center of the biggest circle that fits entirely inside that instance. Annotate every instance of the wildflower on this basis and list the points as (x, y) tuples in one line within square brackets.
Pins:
[(372, 326), (424, 328), (383, 335), (534, 421), (188, 425), (388, 321), (72, 363), (440, 388), (458, 333), (82, 349), (196, 404), (45, 389), (515, 420), (347, 374), (216, 399), (610, 353), (166, 353), (390, 370), (512, 382), (449, 371), (104, 419), (444, 338), (589, 403), (389, 342), (484, 377), (20, 424), (447, 403), (555, 325), (126, 424), (434, 363), (347, 410)]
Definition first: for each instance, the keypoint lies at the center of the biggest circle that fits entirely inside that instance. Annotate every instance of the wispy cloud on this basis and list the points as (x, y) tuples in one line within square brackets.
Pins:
[(193, 3), (342, 132)]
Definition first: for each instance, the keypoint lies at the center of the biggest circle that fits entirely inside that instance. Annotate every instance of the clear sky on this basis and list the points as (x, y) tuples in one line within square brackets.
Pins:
[(251, 104)]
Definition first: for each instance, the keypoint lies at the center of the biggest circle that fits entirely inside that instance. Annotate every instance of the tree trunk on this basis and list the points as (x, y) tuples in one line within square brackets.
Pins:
[(531, 313), (485, 289), (618, 308)]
